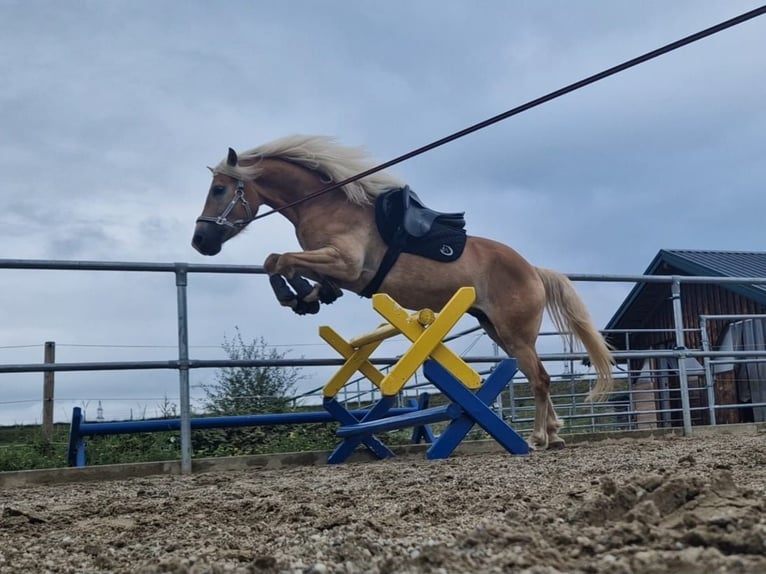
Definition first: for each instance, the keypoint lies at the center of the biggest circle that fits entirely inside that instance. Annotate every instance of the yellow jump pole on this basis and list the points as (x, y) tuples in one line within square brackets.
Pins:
[(423, 317), (426, 341)]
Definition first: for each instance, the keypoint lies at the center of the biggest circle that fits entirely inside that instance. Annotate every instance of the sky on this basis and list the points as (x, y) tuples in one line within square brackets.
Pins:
[(110, 112)]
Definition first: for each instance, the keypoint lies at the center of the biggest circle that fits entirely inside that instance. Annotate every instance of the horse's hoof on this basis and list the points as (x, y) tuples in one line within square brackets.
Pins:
[(306, 307), (329, 292), (538, 442), (301, 287), (284, 294), (556, 444)]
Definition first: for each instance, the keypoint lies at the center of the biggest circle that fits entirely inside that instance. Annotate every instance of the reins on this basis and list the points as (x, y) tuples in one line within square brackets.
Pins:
[(531, 104)]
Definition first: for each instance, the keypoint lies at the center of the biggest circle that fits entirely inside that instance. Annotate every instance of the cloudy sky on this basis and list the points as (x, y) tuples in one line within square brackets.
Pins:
[(110, 111)]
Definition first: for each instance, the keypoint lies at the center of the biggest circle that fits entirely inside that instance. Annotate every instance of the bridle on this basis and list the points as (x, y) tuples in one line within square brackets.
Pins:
[(239, 197)]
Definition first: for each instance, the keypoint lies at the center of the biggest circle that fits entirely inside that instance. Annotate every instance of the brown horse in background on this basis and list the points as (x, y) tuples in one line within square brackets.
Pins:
[(342, 249)]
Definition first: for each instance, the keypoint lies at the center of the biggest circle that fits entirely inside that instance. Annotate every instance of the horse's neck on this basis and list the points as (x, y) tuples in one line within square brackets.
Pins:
[(326, 220), (284, 184)]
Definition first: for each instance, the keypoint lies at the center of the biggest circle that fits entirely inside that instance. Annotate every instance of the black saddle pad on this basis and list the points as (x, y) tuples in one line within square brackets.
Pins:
[(407, 224)]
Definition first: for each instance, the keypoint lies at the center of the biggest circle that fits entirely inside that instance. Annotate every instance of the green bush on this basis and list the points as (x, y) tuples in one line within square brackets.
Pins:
[(249, 390)]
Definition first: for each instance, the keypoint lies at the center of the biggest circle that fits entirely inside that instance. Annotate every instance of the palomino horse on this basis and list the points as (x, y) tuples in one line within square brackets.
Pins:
[(343, 249)]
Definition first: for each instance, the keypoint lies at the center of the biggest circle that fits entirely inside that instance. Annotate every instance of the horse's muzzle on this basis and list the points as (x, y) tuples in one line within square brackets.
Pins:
[(207, 238)]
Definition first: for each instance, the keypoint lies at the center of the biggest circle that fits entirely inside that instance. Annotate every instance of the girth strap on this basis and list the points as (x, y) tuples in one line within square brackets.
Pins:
[(392, 254)]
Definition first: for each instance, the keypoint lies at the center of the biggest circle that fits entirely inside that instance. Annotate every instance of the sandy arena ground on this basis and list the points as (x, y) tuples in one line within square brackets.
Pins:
[(629, 505)]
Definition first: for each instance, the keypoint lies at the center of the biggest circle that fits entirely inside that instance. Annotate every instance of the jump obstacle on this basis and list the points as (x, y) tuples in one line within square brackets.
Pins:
[(470, 396), (79, 429)]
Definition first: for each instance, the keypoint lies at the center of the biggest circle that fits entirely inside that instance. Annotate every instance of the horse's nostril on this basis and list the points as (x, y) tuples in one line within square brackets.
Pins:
[(197, 239)]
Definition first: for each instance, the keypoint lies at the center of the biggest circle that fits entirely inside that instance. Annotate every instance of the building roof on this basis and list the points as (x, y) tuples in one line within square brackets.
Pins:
[(699, 264), (718, 263)]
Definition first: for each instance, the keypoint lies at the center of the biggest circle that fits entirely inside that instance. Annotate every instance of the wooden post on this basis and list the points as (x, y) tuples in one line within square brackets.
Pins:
[(48, 380)]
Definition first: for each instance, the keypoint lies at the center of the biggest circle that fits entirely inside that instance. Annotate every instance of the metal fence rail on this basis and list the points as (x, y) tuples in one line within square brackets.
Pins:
[(183, 362)]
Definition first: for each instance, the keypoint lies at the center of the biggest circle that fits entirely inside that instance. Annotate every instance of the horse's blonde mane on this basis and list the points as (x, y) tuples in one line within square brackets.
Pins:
[(322, 154)]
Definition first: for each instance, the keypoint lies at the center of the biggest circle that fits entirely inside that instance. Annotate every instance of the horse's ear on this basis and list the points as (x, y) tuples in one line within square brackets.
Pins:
[(232, 158), (211, 170)]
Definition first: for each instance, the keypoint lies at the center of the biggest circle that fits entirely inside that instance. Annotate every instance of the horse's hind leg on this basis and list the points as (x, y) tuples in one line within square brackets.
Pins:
[(547, 424), (553, 424)]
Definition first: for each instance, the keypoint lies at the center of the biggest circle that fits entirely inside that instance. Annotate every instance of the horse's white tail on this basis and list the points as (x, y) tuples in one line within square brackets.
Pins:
[(569, 314)]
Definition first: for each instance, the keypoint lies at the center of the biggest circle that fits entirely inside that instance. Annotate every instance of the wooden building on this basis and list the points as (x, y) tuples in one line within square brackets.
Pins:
[(645, 321)]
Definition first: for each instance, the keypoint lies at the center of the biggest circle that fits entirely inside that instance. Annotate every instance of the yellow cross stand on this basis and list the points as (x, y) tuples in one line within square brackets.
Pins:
[(357, 351), (423, 328)]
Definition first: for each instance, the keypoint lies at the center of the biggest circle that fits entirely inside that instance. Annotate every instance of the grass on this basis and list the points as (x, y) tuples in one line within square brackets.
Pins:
[(23, 447)]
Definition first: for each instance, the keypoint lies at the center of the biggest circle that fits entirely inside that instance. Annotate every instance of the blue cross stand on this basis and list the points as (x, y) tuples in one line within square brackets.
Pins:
[(466, 410), (373, 444), (421, 432)]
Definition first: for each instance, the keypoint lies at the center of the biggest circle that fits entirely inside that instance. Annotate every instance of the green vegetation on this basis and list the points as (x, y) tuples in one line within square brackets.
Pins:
[(252, 390), (24, 447), (235, 390)]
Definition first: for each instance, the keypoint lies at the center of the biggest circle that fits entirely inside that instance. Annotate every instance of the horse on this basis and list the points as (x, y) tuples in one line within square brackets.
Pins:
[(343, 250)]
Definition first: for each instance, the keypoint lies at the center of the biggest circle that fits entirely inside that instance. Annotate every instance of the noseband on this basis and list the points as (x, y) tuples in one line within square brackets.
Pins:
[(239, 197)]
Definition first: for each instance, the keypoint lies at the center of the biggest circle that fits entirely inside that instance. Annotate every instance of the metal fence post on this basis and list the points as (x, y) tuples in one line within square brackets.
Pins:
[(183, 367), (709, 378), (681, 355)]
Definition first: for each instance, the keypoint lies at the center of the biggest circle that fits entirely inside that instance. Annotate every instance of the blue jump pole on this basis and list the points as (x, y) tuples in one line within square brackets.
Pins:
[(79, 429), (76, 450), (415, 418)]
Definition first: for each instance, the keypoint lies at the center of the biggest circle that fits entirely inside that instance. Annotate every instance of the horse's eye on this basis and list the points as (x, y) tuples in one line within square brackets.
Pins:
[(218, 190)]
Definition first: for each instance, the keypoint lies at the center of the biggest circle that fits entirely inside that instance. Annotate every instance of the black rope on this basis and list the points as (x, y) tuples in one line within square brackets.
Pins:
[(534, 103)]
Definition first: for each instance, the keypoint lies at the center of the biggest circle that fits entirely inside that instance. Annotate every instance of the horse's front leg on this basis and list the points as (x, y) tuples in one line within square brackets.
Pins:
[(287, 271), (296, 293)]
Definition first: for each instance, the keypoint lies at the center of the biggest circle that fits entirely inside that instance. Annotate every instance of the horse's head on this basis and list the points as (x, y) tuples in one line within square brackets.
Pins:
[(231, 204)]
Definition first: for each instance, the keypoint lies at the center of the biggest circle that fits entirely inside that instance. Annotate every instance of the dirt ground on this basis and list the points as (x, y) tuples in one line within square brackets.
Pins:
[(619, 506)]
